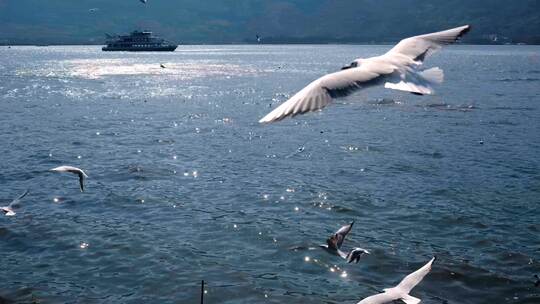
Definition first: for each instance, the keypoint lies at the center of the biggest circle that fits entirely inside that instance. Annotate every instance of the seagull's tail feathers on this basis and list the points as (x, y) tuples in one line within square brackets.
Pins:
[(419, 83), (434, 75), (409, 86), (399, 294), (410, 299)]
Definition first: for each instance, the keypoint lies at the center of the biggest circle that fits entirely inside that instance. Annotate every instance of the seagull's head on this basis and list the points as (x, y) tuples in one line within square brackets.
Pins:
[(356, 63)]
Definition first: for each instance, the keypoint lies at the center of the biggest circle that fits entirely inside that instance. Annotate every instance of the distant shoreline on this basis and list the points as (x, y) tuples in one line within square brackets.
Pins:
[(243, 43)]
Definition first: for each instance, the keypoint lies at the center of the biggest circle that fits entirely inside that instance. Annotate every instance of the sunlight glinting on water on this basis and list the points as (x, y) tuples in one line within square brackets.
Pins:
[(99, 68), (185, 184)]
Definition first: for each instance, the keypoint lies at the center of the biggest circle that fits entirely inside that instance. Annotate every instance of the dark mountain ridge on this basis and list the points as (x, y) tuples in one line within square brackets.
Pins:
[(282, 21)]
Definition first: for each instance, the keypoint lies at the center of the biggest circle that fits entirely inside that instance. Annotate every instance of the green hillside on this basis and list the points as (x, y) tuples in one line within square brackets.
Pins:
[(293, 21)]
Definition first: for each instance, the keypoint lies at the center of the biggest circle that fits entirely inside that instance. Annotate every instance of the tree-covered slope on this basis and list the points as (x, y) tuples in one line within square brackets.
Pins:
[(233, 21)]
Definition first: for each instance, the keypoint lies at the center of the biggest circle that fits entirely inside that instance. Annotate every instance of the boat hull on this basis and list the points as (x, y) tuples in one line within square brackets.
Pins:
[(169, 48)]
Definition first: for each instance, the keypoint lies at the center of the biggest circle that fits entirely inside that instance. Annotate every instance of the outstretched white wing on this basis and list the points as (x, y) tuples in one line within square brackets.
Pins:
[(419, 47), (408, 283), (410, 53), (320, 92)]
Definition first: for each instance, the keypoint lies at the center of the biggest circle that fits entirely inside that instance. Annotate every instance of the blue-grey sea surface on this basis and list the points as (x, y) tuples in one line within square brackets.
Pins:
[(185, 185)]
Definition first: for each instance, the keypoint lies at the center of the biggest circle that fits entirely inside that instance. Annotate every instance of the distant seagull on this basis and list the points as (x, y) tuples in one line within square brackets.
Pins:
[(402, 290), (333, 245), (8, 210), (336, 240), (143, 1), (355, 254), (73, 170), (398, 69), (162, 65), (259, 39), (92, 10)]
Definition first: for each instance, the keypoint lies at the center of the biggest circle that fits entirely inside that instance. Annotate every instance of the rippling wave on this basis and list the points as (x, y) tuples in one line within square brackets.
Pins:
[(184, 185)]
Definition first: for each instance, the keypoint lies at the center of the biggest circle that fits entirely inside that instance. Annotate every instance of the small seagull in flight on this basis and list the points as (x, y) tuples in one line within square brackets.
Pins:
[(8, 210), (143, 1), (93, 10), (333, 245), (402, 290), (398, 69), (162, 65), (73, 170)]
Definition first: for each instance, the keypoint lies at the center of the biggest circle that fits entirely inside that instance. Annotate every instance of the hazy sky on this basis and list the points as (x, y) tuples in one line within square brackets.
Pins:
[(233, 21)]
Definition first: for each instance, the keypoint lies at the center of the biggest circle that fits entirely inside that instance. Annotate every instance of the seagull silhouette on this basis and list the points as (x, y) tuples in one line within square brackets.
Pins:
[(334, 242), (9, 209), (402, 290), (73, 170), (398, 69)]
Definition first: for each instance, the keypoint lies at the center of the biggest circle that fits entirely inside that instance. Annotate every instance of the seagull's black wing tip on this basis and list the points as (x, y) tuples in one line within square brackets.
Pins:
[(25, 193), (81, 181), (467, 29)]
